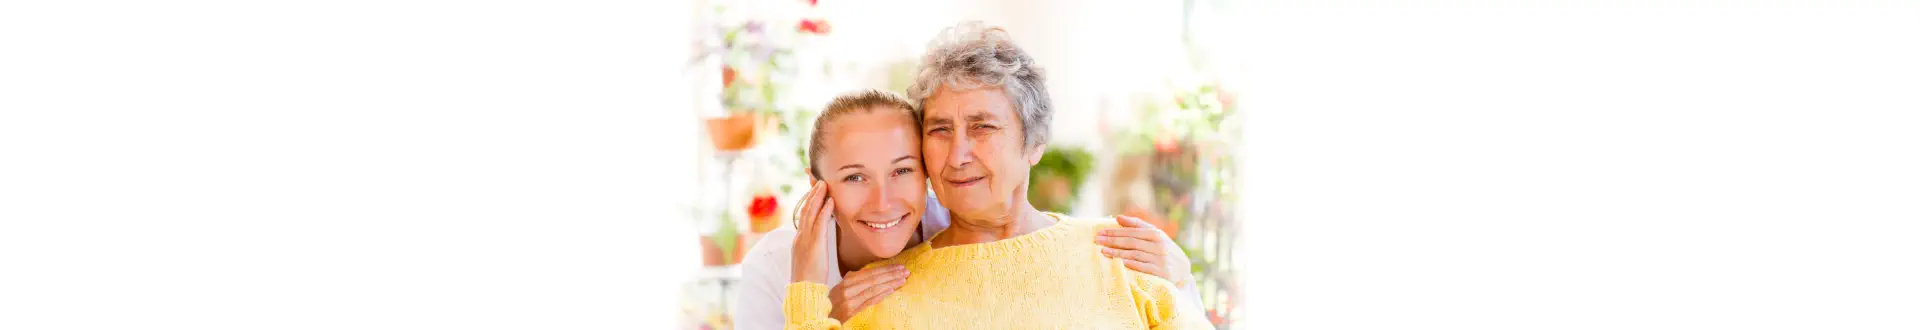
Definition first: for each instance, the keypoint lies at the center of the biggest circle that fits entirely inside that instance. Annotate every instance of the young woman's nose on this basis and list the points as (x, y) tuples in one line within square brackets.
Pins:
[(879, 196)]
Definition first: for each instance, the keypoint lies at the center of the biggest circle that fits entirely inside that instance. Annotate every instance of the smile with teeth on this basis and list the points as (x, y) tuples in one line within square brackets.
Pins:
[(895, 222)]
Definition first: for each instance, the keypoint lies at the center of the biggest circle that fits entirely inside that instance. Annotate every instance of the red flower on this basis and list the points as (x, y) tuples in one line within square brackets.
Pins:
[(815, 26), (763, 206), (813, 3)]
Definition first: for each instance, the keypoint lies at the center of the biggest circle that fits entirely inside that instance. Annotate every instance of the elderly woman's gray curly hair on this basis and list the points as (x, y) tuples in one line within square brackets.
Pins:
[(971, 55)]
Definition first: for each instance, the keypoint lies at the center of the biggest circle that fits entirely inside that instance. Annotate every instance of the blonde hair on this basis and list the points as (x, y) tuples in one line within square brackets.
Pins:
[(863, 101)]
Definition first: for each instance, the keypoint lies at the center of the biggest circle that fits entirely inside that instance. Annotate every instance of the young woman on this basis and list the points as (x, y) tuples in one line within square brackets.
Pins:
[(869, 181)]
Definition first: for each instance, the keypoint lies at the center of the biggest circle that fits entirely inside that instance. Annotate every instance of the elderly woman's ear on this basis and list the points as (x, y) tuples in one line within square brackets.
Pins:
[(1033, 154)]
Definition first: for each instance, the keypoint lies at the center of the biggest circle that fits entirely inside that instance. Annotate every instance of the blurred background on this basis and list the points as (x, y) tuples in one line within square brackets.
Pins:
[(436, 164), (1146, 123)]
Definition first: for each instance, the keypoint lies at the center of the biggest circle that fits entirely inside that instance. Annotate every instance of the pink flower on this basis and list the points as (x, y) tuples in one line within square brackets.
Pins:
[(1166, 144)]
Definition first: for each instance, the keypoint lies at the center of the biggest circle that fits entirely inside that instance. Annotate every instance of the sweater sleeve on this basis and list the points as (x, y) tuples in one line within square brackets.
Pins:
[(808, 308), (1159, 303)]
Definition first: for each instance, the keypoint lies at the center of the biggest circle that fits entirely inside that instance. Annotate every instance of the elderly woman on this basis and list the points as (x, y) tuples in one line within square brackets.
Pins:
[(870, 185), (984, 120)]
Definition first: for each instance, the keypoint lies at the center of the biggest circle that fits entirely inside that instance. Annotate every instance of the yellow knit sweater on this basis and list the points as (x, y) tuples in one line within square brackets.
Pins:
[(1053, 278)]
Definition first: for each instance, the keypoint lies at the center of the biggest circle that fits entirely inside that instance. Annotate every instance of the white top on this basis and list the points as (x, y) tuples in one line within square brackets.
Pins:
[(768, 269)]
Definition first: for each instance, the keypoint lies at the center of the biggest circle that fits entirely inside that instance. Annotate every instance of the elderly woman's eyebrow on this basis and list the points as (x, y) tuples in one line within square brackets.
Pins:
[(938, 120)]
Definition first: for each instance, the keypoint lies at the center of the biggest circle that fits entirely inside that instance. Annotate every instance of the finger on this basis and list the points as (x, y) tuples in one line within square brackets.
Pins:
[(861, 280), (1130, 244), (890, 283), (1145, 267), (881, 277), (1132, 222), (824, 218), (810, 204), (1148, 234), (876, 293), (799, 211), (861, 303), (1135, 255)]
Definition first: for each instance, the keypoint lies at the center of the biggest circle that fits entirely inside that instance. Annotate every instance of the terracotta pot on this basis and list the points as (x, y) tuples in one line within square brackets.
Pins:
[(711, 255), (738, 131)]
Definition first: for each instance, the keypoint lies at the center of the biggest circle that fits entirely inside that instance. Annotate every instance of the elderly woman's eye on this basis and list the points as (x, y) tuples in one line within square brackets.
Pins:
[(983, 126)]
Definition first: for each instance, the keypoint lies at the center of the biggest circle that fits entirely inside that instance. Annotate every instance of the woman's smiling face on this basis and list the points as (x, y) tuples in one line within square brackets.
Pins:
[(873, 172)]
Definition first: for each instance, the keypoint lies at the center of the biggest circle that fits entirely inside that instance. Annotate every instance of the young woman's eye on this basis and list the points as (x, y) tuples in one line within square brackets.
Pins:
[(856, 178), (902, 171)]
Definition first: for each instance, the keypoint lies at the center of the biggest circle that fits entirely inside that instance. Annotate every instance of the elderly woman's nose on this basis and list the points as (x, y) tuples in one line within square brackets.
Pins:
[(959, 153)]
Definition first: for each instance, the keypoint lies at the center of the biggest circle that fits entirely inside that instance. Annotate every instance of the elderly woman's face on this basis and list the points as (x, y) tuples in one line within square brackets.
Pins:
[(976, 156), (873, 173)]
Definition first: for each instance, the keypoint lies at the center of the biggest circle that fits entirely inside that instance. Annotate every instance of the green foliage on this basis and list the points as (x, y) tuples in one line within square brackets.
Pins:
[(1071, 164)]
